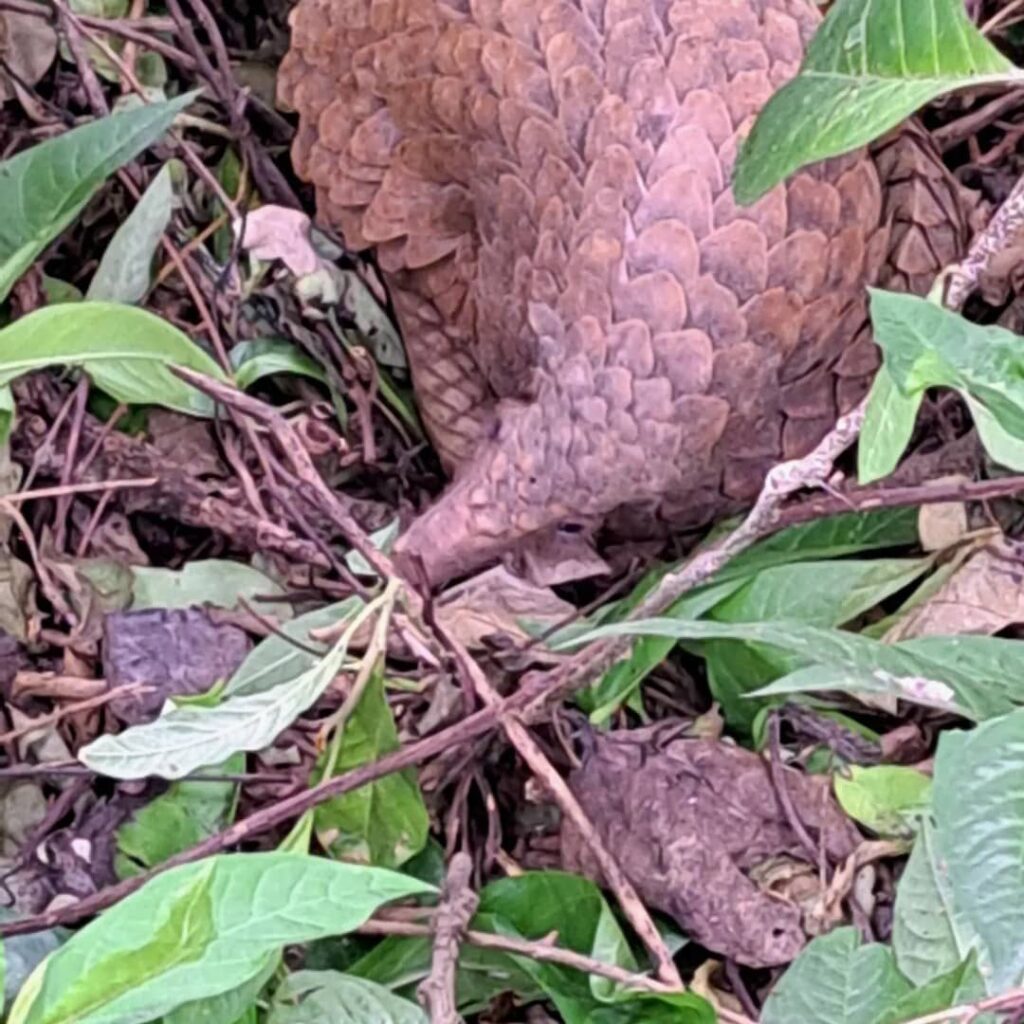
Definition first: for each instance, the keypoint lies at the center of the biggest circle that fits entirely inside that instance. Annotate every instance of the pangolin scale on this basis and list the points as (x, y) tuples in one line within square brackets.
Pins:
[(597, 333)]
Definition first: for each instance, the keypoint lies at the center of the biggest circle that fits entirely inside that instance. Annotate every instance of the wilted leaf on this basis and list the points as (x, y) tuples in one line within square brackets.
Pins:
[(44, 188), (126, 351), (213, 581), (199, 930), (884, 797), (125, 268), (313, 997), (186, 738), (984, 596), (176, 820), (836, 980), (868, 68), (943, 524), (498, 603), (385, 822), (280, 233)]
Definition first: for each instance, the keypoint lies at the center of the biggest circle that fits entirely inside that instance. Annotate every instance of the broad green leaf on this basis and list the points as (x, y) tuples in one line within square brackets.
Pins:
[(979, 677), (884, 797), (938, 994), (401, 964), (226, 1007), (927, 938), (187, 813), (828, 538), (313, 997), (1000, 444), (187, 737), (927, 346), (254, 360), (126, 351), (979, 825), (198, 931), (125, 269), (537, 904), (174, 940), (278, 659), (384, 822), (818, 593), (836, 980), (869, 66), (43, 189), (214, 581), (888, 425)]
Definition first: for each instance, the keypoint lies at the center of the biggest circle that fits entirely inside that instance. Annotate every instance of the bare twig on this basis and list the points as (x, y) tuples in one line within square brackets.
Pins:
[(458, 904)]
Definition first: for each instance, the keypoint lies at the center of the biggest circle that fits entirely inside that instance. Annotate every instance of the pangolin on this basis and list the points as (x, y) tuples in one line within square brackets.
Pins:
[(597, 332)]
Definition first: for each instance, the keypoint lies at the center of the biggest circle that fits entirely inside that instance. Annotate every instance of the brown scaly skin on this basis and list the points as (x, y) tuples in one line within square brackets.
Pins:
[(596, 332)]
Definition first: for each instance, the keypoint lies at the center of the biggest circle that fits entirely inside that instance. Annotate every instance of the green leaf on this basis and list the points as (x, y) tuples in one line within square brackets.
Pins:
[(818, 593), (883, 797), (927, 939), (226, 1007), (938, 994), (313, 997), (198, 931), (869, 67), (888, 426), (828, 538), (385, 822), (125, 268), (836, 980), (187, 737), (126, 351), (978, 677), (537, 904), (979, 825), (212, 581), (276, 660), (927, 346), (254, 360), (43, 189), (1000, 444), (174, 821)]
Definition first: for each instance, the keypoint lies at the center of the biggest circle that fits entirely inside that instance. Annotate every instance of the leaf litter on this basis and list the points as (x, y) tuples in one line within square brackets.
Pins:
[(804, 769)]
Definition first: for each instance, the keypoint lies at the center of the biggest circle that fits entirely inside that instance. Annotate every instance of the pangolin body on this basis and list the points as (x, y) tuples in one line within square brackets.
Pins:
[(596, 331)]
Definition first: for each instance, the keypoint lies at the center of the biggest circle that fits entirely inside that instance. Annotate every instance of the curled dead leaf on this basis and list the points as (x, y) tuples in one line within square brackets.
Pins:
[(28, 45), (984, 596)]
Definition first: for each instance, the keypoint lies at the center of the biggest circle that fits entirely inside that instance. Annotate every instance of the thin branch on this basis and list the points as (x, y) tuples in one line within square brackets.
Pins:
[(458, 905)]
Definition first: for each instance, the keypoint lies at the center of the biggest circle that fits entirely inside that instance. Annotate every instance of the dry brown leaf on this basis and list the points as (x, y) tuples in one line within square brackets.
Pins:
[(496, 603), (29, 46), (279, 233), (983, 597), (942, 526)]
